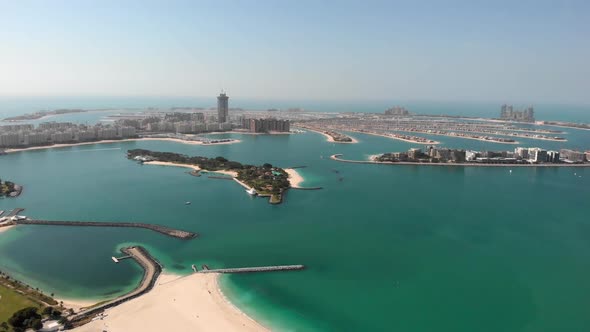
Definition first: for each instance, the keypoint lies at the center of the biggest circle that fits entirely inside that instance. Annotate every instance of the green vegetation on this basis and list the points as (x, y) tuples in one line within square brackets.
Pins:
[(22, 307), (25, 318), (23, 289), (267, 180), (7, 188), (11, 301)]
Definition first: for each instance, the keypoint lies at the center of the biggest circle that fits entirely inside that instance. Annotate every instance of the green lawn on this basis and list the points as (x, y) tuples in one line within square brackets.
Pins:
[(11, 301)]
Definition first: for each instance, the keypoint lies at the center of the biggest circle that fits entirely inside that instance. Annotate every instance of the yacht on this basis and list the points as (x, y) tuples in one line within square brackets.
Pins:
[(187, 203)]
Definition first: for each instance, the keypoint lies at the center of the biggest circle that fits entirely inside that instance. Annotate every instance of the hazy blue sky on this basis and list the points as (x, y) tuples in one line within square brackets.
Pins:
[(529, 51)]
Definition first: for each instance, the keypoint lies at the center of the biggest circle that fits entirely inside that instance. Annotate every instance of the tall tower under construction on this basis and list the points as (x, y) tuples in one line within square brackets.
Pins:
[(222, 108)]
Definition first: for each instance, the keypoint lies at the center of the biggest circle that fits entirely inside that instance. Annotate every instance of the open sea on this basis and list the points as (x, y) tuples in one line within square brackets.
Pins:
[(387, 248)]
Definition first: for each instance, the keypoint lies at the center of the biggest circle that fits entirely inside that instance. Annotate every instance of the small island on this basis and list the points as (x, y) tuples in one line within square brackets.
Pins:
[(266, 180), (9, 189)]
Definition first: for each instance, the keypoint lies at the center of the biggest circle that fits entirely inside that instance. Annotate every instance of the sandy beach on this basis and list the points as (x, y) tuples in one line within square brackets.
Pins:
[(331, 139), (6, 228), (194, 167), (117, 141), (295, 178), (165, 163), (75, 304), (230, 173), (188, 303)]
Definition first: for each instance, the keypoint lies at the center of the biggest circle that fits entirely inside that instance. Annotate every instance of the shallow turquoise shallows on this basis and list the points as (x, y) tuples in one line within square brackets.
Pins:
[(387, 248)]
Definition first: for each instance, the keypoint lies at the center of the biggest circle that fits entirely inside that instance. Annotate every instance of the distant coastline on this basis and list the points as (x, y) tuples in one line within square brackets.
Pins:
[(54, 146), (42, 115)]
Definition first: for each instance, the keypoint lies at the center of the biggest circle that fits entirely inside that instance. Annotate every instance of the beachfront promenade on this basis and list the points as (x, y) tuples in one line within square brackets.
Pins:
[(152, 270), (179, 234)]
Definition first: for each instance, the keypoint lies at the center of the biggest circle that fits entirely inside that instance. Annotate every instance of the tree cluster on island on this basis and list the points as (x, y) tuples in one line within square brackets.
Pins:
[(7, 188), (266, 179)]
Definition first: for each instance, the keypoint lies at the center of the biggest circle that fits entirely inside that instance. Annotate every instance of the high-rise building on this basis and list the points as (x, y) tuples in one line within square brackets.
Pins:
[(537, 155), (508, 113), (572, 155), (266, 125), (397, 110), (222, 108)]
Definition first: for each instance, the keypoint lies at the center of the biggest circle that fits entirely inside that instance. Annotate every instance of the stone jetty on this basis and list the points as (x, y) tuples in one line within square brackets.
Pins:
[(180, 234), (152, 270)]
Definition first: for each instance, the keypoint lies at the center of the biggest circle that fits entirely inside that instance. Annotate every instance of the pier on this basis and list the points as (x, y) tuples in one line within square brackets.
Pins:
[(254, 269), (179, 234), (1, 213), (118, 259), (15, 212), (152, 270)]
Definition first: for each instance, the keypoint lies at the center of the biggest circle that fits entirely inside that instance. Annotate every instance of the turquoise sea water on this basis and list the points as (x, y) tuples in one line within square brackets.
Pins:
[(387, 248)]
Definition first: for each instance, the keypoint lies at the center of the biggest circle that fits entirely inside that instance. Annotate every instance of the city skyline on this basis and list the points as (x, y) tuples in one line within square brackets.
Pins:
[(530, 52)]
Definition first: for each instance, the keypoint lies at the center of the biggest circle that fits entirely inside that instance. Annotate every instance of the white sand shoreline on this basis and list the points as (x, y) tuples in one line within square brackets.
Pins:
[(166, 163), (6, 228), (117, 141), (177, 303), (233, 174), (295, 178), (76, 304)]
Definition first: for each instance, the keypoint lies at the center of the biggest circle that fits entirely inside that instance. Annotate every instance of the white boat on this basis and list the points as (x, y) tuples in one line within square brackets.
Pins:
[(187, 203), (251, 191)]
